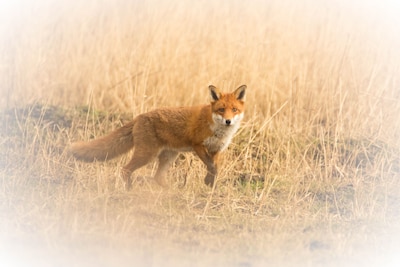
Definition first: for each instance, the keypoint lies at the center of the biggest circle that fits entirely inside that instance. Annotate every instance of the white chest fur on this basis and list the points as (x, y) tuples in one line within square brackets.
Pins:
[(221, 138)]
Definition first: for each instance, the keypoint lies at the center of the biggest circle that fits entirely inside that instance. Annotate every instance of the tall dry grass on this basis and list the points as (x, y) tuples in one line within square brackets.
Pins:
[(310, 179)]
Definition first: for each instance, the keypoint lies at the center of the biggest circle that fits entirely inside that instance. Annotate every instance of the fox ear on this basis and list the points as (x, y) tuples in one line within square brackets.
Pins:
[(214, 93), (240, 93)]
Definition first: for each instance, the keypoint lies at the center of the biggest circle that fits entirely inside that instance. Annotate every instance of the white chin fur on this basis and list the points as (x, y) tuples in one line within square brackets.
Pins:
[(222, 133)]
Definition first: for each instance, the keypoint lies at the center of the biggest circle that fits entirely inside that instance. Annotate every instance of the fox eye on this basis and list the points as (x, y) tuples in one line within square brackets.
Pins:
[(221, 110), (234, 109)]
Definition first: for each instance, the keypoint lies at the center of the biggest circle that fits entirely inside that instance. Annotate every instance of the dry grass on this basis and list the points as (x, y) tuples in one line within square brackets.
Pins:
[(311, 179)]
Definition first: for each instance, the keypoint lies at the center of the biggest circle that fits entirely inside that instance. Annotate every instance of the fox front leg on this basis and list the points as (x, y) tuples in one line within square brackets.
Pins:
[(212, 169), (211, 162), (210, 177)]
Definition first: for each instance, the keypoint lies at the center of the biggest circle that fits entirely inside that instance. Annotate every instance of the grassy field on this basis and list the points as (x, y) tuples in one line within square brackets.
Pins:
[(311, 179)]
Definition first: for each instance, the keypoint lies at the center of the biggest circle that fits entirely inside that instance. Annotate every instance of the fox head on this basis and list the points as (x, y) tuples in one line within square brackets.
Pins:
[(227, 108)]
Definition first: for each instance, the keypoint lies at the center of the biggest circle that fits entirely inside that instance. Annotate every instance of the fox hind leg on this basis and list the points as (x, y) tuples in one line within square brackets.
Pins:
[(139, 159), (165, 159)]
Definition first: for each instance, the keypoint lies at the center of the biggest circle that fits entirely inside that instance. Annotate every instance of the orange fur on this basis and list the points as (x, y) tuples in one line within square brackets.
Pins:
[(163, 133)]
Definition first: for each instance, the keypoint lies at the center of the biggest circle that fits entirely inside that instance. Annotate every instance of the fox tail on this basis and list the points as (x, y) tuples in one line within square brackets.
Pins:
[(107, 147)]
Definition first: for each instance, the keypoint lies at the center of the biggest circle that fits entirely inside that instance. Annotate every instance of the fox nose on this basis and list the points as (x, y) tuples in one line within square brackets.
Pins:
[(228, 122)]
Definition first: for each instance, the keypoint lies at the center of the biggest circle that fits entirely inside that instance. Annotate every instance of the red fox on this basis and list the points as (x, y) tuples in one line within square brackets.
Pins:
[(163, 133)]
